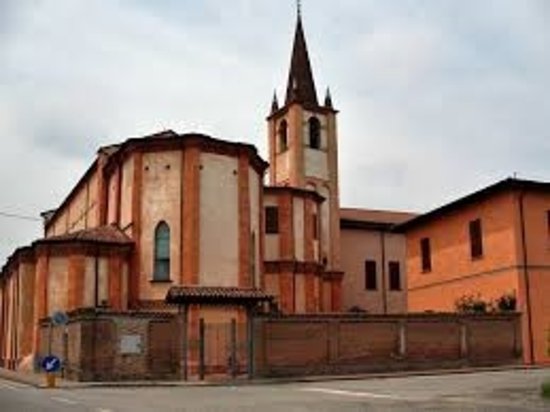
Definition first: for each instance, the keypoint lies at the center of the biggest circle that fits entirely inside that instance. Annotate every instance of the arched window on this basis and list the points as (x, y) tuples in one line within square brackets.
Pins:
[(162, 253), (283, 136), (314, 133)]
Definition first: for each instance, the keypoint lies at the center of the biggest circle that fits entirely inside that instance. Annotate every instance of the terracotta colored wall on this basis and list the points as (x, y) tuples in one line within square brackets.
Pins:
[(359, 246), (255, 187), (126, 198), (451, 261), (537, 236), (272, 241)]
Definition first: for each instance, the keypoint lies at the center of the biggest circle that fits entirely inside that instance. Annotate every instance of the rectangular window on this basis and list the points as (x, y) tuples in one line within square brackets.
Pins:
[(315, 227), (476, 240), (426, 255), (395, 276), (548, 222), (271, 220), (370, 275)]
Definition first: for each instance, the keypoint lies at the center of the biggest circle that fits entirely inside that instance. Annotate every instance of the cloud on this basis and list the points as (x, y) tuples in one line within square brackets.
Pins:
[(436, 99)]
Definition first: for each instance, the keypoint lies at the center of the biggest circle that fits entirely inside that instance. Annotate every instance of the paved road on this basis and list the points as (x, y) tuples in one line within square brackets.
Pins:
[(494, 391)]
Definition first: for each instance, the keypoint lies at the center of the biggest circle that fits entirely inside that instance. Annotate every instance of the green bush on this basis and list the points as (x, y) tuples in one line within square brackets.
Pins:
[(545, 390)]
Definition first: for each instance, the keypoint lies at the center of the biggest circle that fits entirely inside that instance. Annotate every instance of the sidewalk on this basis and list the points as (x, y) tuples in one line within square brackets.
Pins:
[(39, 380)]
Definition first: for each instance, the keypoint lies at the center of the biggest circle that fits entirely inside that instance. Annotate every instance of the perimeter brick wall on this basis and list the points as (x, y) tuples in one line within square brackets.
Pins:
[(302, 345)]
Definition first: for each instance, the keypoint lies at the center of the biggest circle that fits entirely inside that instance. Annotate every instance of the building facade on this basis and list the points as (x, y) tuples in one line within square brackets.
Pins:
[(490, 245), (172, 215)]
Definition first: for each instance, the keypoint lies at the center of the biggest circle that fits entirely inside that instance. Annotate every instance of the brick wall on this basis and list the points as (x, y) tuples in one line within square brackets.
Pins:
[(298, 345), (92, 348)]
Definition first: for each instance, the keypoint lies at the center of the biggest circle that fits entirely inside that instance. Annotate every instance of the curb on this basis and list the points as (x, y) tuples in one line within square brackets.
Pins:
[(37, 381)]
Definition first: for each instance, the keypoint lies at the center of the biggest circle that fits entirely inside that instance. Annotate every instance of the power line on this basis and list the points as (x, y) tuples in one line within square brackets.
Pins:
[(20, 217)]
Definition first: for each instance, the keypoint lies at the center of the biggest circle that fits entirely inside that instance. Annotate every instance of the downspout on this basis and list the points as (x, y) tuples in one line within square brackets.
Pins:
[(96, 279), (526, 276), (383, 251)]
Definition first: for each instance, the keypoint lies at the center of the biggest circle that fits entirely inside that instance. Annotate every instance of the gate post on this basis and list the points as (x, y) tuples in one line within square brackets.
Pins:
[(250, 340), (201, 349), (233, 349), (184, 342)]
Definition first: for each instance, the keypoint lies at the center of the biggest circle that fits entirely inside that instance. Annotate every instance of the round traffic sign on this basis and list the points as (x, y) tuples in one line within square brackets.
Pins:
[(51, 363)]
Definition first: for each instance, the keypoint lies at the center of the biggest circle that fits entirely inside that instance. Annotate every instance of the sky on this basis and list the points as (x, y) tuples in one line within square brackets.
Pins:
[(437, 98)]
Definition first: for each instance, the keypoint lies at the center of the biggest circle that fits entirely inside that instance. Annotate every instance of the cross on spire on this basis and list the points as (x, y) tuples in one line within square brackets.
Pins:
[(299, 8)]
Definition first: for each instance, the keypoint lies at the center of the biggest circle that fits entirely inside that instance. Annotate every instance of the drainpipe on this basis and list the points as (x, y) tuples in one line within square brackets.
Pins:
[(384, 291), (96, 279), (526, 276)]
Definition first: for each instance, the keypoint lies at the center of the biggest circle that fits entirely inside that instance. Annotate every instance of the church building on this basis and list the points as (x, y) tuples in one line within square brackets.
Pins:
[(187, 214)]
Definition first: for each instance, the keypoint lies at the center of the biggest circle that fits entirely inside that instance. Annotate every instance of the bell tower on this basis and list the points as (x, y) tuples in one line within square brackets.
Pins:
[(303, 147)]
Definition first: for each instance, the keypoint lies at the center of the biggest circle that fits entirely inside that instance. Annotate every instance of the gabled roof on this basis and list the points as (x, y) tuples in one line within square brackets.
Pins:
[(506, 185), (368, 219)]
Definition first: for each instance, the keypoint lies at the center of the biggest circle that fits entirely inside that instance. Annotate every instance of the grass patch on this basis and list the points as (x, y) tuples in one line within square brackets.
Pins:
[(545, 390)]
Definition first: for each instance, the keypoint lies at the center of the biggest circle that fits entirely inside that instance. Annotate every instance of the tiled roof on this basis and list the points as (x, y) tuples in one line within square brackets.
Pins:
[(215, 295), (103, 234), (376, 216)]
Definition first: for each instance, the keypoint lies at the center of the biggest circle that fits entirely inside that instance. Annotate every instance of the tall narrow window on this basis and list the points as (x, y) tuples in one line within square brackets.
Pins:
[(315, 227), (271, 220), (370, 275), (314, 133), (283, 136), (426, 255), (395, 276), (162, 253), (253, 259), (476, 239), (548, 222)]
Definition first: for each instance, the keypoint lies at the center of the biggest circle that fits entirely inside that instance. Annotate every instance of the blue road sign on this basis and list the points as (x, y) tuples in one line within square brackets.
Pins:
[(51, 364), (60, 318)]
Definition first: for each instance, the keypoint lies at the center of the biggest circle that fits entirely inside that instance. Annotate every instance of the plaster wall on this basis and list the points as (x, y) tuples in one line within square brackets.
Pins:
[(326, 241), (282, 166), (316, 163), (112, 198), (219, 221), (57, 283), (126, 197), (299, 228), (359, 246), (90, 280), (450, 244), (161, 202)]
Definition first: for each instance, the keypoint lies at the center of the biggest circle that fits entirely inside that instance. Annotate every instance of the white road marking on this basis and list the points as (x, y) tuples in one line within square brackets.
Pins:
[(65, 400), (13, 386), (353, 394)]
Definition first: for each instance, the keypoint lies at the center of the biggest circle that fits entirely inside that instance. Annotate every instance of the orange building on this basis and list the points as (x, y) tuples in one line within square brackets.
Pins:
[(492, 243)]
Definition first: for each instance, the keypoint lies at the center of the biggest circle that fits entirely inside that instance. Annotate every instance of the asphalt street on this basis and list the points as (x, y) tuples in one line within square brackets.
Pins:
[(489, 391)]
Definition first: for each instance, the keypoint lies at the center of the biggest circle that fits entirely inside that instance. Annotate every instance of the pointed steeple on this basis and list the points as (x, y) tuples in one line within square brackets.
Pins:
[(274, 103), (300, 87), (328, 99)]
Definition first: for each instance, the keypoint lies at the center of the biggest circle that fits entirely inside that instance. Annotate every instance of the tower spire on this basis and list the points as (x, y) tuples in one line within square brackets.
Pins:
[(301, 86)]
